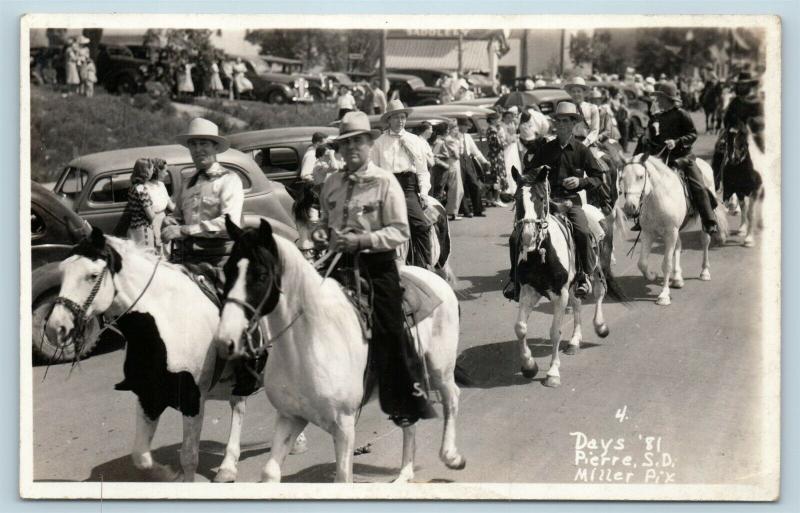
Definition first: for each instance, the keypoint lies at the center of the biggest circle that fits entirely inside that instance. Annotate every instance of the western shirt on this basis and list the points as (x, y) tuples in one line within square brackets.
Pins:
[(672, 124), (307, 164), (368, 201), (202, 207), (401, 152), (471, 149), (572, 160), (591, 118)]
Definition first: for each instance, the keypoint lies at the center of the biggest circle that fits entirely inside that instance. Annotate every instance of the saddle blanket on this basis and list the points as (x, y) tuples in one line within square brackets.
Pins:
[(419, 299)]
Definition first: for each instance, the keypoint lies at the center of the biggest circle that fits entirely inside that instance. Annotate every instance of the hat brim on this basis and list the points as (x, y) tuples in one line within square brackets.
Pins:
[(574, 117), (221, 142), (573, 86), (391, 113), (347, 135)]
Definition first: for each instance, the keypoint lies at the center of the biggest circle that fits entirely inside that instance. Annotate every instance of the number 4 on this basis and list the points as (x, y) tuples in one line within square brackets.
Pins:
[(620, 415)]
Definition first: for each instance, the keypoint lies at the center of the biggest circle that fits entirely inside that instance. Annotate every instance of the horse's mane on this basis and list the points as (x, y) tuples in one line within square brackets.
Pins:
[(127, 246), (658, 169), (320, 299)]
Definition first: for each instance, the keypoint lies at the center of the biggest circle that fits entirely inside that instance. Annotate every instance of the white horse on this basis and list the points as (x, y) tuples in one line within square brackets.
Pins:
[(319, 354), (654, 192), (546, 268), (170, 358), (439, 241)]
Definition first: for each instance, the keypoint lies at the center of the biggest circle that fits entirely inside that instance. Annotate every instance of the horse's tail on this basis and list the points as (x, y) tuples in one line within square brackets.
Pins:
[(614, 226), (722, 221), (614, 289)]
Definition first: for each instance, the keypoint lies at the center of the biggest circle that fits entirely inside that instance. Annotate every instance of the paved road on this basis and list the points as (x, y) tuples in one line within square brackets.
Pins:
[(685, 373)]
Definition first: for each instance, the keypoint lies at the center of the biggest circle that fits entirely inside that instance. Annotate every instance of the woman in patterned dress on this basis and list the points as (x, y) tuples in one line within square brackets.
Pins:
[(140, 206), (497, 168)]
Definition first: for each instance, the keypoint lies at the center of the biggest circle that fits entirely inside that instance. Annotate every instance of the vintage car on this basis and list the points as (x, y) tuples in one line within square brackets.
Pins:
[(55, 228), (431, 77), (119, 70), (484, 101), (275, 86), (476, 116), (279, 151), (324, 86), (636, 110), (96, 186), (412, 90), (546, 98)]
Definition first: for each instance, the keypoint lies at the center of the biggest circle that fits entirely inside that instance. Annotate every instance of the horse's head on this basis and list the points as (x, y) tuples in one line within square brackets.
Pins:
[(633, 184), (86, 289), (532, 206), (739, 148), (252, 285)]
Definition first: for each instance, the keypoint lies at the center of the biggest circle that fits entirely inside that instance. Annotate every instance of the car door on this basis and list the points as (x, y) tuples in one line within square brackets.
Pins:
[(281, 162)]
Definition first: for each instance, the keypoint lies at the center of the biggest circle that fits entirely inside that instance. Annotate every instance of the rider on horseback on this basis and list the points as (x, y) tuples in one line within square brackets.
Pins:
[(744, 112), (565, 161), (672, 132), (364, 209)]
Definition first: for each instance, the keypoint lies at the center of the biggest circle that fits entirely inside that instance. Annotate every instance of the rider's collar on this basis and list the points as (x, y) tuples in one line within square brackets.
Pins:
[(214, 170), (361, 175), (396, 134)]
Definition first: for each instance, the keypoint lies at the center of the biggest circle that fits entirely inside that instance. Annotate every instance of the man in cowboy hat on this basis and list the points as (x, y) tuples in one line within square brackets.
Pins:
[(404, 155), (570, 168), (364, 217), (206, 197), (588, 113), (670, 135)]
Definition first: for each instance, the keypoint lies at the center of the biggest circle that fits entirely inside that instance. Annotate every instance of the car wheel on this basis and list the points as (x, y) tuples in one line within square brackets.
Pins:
[(127, 85), (45, 350), (319, 96), (277, 97)]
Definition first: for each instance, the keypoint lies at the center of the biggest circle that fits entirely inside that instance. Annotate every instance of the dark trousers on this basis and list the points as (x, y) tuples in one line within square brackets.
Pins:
[(394, 359), (472, 187), (697, 188), (420, 254)]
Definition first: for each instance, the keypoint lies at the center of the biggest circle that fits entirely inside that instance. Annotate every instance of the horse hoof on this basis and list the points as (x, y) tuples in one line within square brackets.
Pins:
[(663, 301), (300, 445), (552, 382), (457, 463), (748, 243), (571, 349), (530, 373), (225, 476), (676, 284), (705, 275), (602, 330), (650, 276)]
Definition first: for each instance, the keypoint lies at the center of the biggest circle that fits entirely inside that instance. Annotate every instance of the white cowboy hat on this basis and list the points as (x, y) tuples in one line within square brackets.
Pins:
[(83, 40), (200, 128), (463, 84), (650, 80), (355, 123), (513, 109), (395, 107), (566, 109), (576, 82)]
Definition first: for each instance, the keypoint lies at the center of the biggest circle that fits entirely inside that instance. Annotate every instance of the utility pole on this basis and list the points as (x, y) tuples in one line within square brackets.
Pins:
[(382, 68), (460, 53), (524, 53), (563, 43)]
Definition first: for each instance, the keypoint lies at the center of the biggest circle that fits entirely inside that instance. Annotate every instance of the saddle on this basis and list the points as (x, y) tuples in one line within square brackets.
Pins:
[(691, 208)]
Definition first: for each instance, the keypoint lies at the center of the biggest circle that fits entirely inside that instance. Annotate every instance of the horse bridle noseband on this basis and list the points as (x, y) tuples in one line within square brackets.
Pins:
[(540, 226)]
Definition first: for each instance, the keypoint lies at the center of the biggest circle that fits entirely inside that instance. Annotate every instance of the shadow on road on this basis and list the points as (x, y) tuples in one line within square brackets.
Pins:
[(498, 365), (167, 466), (326, 473), (481, 284)]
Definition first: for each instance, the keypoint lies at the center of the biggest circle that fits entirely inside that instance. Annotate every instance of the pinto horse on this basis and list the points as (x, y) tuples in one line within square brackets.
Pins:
[(654, 192), (546, 268), (169, 357), (319, 353), (740, 177)]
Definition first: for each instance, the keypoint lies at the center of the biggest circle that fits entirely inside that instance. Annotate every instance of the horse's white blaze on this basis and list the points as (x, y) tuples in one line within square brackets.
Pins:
[(233, 321)]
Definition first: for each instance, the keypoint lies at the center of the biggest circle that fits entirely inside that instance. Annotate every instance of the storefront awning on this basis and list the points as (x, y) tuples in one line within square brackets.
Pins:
[(436, 54)]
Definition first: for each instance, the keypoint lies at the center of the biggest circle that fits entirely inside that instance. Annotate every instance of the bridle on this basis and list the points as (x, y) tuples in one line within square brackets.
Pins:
[(540, 226), (644, 185)]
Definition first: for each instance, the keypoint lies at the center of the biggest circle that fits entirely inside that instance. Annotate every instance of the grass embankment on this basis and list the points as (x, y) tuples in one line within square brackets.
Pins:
[(65, 128)]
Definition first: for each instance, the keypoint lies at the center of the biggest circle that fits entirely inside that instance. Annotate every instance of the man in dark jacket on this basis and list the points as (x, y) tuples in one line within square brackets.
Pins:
[(670, 136), (570, 168)]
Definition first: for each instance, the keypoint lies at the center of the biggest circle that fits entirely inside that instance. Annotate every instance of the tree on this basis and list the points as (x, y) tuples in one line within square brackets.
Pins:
[(329, 49), (580, 48)]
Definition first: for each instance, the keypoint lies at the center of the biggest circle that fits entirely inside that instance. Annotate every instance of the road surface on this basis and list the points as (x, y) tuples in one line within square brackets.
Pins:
[(686, 375)]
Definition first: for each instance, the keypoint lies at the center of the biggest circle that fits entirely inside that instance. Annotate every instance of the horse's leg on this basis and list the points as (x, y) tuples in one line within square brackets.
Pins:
[(227, 470), (599, 321), (286, 431), (344, 440), (751, 215), (449, 453), (559, 304), (528, 297), (676, 279), (577, 333), (705, 240), (670, 237), (190, 449), (409, 448), (646, 241), (745, 206), (145, 430)]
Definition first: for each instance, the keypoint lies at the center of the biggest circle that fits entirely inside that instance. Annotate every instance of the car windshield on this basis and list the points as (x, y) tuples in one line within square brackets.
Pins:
[(259, 66), (72, 182), (415, 83)]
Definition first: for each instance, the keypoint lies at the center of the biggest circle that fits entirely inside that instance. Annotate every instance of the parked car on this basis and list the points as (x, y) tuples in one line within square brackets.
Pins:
[(279, 151), (119, 70), (96, 186), (55, 228), (412, 90), (481, 83), (546, 98), (272, 86), (431, 77), (324, 86), (476, 115), (637, 110), (485, 101)]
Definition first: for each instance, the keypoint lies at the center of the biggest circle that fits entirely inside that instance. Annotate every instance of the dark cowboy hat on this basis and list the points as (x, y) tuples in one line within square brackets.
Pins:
[(745, 78), (667, 89)]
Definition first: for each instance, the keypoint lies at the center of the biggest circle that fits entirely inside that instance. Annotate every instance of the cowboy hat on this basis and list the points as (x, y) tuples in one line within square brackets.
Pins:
[(576, 82), (355, 123), (463, 84), (83, 40), (200, 128), (395, 107), (745, 78), (667, 89), (566, 109), (650, 80)]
